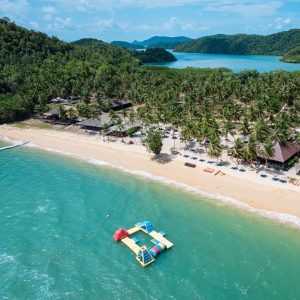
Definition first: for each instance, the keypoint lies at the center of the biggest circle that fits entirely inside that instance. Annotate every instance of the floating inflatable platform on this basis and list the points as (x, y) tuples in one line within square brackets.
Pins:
[(144, 255)]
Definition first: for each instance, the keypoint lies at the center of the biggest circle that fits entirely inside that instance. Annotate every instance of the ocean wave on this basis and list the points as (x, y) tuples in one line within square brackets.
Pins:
[(277, 216)]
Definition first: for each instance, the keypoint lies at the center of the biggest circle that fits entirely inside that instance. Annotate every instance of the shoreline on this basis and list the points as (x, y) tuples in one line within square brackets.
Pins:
[(280, 203)]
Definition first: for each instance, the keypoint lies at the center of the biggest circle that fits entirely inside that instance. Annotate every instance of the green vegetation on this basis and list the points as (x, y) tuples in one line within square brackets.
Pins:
[(292, 56), (154, 55), (206, 104), (34, 68), (274, 44), (127, 45), (153, 141)]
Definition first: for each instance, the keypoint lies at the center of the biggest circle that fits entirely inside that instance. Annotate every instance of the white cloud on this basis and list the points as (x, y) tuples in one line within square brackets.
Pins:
[(49, 9), (59, 23), (280, 23), (13, 7), (277, 24), (107, 5), (249, 8)]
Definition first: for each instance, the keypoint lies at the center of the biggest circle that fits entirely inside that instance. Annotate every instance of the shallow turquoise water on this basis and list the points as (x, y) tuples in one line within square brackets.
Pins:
[(56, 238), (3, 144), (236, 63)]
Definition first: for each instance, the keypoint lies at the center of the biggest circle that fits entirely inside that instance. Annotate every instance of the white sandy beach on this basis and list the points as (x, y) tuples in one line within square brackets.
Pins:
[(248, 190)]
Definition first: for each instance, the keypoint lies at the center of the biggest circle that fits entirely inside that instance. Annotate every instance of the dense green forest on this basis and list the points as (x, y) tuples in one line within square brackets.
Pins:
[(274, 44), (292, 56), (205, 103), (154, 55), (127, 45)]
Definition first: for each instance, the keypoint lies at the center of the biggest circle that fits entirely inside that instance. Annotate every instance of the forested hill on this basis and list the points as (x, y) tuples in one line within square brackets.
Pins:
[(35, 67), (154, 55), (274, 44), (293, 56)]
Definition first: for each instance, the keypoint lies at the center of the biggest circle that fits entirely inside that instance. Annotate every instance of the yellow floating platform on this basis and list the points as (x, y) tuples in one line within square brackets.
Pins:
[(131, 244), (143, 255), (161, 239)]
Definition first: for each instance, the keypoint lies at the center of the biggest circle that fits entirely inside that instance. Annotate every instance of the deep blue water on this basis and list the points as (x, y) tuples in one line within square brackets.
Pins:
[(236, 63)]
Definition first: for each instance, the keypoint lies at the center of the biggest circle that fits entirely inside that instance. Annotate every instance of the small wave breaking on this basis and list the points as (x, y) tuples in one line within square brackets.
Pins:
[(277, 216)]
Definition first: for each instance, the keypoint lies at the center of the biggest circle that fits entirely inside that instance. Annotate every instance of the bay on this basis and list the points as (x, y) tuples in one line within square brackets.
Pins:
[(58, 215), (236, 63)]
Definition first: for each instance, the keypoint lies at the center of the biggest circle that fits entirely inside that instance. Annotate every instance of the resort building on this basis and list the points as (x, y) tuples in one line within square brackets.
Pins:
[(95, 124), (285, 155), (118, 105), (52, 114)]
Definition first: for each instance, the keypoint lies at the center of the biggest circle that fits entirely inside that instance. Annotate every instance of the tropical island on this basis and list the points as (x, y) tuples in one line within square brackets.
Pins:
[(154, 55), (273, 44), (231, 123)]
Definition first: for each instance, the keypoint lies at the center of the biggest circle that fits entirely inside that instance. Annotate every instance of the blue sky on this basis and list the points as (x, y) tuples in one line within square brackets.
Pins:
[(140, 19)]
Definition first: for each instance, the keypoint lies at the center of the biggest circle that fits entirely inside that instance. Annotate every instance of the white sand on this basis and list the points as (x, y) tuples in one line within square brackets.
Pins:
[(272, 199)]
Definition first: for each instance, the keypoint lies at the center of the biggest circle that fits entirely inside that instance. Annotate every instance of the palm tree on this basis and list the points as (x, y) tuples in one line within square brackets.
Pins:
[(268, 150), (250, 152), (114, 118), (245, 126), (62, 112), (71, 114), (238, 149), (214, 149), (125, 115), (131, 116), (228, 129), (261, 130)]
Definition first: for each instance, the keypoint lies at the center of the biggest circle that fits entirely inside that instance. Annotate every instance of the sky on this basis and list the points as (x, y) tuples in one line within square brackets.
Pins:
[(130, 20)]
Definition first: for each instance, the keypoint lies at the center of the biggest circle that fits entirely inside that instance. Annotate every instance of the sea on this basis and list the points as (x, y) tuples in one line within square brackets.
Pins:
[(237, 63), (58, 216)]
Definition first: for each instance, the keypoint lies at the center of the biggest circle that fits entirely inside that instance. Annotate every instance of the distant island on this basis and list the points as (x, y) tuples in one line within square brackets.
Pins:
[(163, 42), (127, 45), (154, 55), (155, 40), (273, 44), (292, 56)]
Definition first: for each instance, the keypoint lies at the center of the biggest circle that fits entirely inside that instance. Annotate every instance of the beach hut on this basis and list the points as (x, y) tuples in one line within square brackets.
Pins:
[(117, 104), (91, 124), (95, 124), (283, 155), (52, 114)]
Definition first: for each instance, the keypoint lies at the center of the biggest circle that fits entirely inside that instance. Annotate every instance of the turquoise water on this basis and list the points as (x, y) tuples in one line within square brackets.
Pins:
[(3, 144), (234, 62), (58, 215)]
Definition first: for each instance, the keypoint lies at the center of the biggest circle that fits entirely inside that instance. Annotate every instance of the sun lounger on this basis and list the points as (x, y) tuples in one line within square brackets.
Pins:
[(187, 164)]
